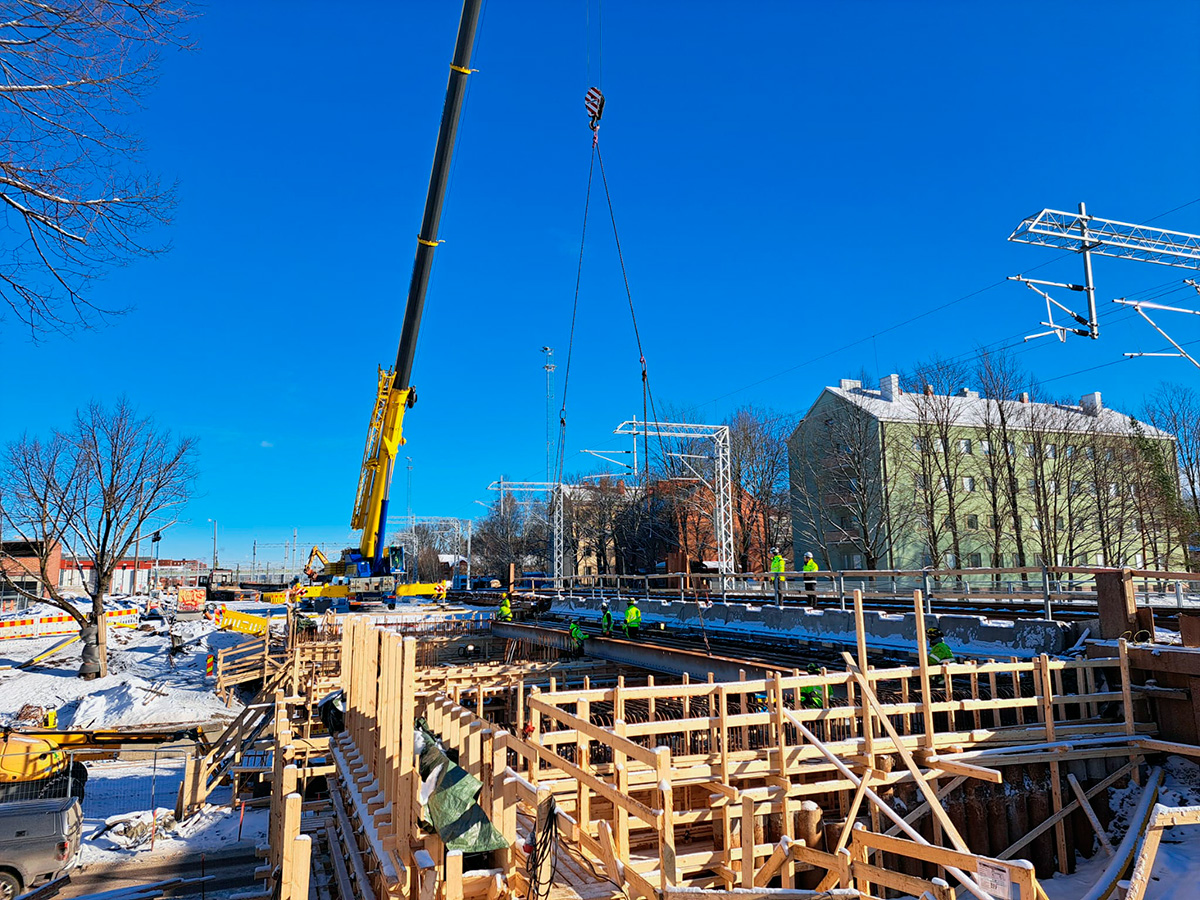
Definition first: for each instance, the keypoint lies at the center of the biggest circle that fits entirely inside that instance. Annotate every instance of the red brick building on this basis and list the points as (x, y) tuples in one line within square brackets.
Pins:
[(20, 563)]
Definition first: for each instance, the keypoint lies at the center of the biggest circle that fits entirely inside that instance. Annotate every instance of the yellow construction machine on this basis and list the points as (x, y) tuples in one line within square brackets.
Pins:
[(34, 762), (372, 571)]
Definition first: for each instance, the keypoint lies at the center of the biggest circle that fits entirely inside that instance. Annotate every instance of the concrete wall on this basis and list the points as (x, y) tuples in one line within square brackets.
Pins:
[(973, 636)]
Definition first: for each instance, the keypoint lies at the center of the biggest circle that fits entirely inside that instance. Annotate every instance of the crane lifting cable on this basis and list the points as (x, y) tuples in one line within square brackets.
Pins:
[(594, 104)]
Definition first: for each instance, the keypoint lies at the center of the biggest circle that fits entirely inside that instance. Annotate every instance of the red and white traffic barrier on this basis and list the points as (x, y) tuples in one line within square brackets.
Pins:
[(47, 626)]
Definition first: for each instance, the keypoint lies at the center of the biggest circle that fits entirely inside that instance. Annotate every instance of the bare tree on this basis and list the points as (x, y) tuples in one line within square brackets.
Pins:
[(842, 488), (937, 454), (1175, 409), (759, 475), (1001, 381), (77, 200), (500, 539), (98, 485)]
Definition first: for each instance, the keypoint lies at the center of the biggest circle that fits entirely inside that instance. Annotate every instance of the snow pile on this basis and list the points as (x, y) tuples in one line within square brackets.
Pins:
[(134, 829), (130, 700), (145, 684)]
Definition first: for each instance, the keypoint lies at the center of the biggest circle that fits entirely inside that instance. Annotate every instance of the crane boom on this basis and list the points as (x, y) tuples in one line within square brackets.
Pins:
[(394, 393)]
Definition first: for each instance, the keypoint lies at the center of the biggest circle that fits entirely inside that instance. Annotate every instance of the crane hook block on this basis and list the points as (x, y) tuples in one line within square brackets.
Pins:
[(594, 101)]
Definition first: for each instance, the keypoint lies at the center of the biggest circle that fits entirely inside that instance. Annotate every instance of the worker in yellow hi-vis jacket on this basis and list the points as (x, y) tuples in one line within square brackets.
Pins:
[(633, 618), (810, 584), (778, 567)]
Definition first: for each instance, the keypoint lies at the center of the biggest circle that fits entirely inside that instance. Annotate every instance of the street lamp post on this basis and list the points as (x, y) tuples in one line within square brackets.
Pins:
[(213, 573)]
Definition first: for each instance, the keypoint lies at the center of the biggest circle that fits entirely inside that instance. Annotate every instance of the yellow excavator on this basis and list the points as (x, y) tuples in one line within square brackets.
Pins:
[(34, 762), (372, 571)]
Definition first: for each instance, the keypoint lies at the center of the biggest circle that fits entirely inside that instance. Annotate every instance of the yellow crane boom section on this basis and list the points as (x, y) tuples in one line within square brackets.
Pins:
[(384, 440)]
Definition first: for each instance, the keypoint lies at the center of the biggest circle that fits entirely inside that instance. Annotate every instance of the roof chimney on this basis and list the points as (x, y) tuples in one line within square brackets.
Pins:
[(929, 390), (889, 387), (969, 394), (850, 384), (1091, 403), (1024, 398)]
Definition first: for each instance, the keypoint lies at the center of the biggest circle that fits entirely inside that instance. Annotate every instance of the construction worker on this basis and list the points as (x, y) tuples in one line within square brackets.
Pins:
[(504, 613), (778, 566), (606, 619), (578, 636), (939, 650), (633, 618), (813, 697), (810, 584)]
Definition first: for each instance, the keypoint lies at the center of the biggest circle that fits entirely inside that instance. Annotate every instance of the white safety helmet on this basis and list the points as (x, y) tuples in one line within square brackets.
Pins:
[(808, 556)]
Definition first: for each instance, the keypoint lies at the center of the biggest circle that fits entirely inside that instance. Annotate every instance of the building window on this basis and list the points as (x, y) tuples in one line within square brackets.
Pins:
[(945, 482), (985, 447), (964, 446), (1052, 486), (1037, 559), (1058, 523), (991, 483), (973, 522), (938, 445), (1030, 450), (1090, 453), (992, 522), (1070, 450), (997, 560), (1031, 484), (1008, 448), (1051, 451), (975, 560), (969, 484), (1035, 525)]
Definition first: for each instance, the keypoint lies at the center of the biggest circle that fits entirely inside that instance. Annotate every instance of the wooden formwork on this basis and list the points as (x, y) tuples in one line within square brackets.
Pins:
[(703, 788)]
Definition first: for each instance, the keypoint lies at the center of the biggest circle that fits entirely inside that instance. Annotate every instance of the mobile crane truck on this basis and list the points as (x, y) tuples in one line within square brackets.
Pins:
[(372, 571)]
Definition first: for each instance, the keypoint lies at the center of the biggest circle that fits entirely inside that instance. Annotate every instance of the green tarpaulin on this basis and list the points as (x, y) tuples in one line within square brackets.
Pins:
[(453, 811)]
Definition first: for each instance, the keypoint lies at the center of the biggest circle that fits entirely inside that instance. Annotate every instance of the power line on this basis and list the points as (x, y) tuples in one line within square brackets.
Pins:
[(917, 317)]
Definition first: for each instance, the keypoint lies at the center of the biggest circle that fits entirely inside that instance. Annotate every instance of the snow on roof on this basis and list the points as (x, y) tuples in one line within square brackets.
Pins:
[(972, 410)]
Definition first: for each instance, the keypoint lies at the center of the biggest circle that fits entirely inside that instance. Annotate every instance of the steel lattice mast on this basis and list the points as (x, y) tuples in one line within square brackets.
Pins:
[(1087, 235), (722, 484)]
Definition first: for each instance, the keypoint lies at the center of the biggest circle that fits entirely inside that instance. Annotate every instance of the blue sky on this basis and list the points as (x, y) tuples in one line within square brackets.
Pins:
[(787, 180)]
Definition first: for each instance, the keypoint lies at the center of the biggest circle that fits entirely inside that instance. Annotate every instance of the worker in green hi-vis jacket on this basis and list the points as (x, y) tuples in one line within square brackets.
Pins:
[(813, 696), (939, 652)]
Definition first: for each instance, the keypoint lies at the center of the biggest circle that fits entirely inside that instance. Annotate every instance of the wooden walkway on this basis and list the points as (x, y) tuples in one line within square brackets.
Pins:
[(574, 879)]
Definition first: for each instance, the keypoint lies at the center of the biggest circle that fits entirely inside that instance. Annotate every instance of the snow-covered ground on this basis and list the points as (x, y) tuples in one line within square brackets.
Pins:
[(1176, 873), (128, 802), (144, 685)]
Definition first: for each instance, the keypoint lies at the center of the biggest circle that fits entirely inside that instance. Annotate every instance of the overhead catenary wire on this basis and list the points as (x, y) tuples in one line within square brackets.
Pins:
[(915, 318)]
